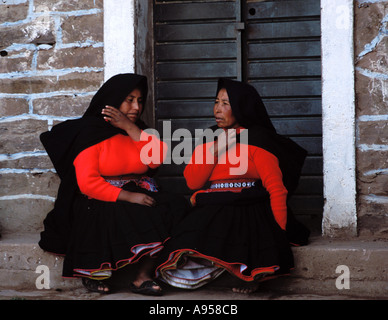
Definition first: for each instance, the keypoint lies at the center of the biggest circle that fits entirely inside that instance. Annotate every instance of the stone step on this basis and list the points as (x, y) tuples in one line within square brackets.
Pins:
[(321, 268)]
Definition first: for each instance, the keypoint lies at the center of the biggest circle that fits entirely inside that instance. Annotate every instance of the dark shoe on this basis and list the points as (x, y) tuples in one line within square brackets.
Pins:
[(96, 286), (146, 288)]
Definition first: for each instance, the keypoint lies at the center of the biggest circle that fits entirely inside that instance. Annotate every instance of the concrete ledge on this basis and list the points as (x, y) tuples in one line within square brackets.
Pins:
[(316, 268), (315, 271), (21, 255)]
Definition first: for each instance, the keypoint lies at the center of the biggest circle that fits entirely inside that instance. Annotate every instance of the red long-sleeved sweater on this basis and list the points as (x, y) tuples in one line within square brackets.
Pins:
[(118, 155), (260, 164)]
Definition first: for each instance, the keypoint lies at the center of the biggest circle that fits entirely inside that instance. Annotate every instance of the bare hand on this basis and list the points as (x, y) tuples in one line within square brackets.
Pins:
[(225, 140), (136, 197), (119, 120), (116, 118)]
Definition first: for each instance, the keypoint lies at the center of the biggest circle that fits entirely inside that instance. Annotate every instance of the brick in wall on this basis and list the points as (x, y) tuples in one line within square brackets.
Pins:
[(371, 47), (51, 64)]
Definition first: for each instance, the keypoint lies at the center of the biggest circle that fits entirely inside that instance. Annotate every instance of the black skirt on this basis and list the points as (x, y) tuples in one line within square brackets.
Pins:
[(230, 231), (109, 235)]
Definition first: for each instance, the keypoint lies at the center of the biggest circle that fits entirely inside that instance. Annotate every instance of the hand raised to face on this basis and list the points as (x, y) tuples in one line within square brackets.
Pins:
[(115, 117), (225, 141)]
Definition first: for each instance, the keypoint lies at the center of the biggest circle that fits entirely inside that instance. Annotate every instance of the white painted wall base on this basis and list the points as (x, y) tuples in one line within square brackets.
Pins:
[(338, 117), (119, 37)]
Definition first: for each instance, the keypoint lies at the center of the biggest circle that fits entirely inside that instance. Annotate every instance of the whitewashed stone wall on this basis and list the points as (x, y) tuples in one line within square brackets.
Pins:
[(51, 64), (371, 57)]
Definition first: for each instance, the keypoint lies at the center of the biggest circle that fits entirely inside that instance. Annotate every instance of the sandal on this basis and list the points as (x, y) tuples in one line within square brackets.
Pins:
[(146, 288), (96, 285)]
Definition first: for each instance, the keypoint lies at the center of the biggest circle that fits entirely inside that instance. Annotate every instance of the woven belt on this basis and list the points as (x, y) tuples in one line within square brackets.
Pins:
[(144, 182), (227, 185)]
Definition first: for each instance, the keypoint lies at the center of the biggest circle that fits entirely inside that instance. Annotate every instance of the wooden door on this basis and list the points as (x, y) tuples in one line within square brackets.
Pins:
[(274, 45)]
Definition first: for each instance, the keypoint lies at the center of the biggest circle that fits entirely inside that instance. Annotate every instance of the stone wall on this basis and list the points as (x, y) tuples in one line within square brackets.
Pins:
[(51, 64), (371, 54)]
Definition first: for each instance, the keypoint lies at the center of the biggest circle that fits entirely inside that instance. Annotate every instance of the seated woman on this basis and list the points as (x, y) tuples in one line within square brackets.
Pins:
[(241, 223), (109, 212)]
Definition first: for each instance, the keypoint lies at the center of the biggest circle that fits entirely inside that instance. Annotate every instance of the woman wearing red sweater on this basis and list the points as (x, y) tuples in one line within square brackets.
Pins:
[(109, 212), (239, 222)]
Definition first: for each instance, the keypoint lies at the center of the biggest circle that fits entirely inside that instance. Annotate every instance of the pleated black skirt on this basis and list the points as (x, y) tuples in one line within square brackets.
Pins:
[(226, 231), (109, 235)]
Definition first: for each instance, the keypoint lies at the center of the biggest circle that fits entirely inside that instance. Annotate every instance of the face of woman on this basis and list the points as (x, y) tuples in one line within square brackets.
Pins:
[(223, 111), (132, 105)]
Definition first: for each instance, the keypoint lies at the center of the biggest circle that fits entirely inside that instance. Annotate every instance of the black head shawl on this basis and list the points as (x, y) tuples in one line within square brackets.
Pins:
[(250, 112), (246, 103), (67, 139)]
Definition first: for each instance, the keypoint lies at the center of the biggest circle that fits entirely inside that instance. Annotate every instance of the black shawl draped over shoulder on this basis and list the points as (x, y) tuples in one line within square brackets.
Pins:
[(67, 139), (250, 112)]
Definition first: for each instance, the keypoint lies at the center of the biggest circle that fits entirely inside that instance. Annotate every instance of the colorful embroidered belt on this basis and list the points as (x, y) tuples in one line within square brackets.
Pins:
[(234, 185), (226, 185), (144, 182)]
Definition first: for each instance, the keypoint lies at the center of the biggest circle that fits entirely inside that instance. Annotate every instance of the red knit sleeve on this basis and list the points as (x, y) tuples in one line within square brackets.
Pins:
[(89, 178), (153, 151), (267, 166), (200, 167)]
